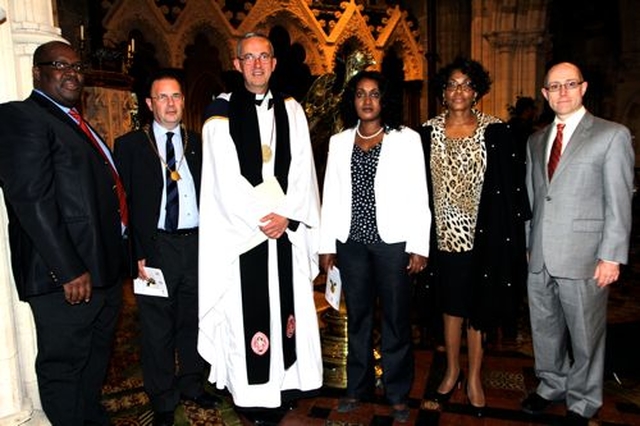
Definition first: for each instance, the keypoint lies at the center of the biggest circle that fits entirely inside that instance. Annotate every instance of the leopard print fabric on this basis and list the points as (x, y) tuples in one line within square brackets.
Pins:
[(457, 172)]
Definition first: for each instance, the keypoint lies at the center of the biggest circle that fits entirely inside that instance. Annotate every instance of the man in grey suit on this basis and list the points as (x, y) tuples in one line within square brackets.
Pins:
[(577, 239)]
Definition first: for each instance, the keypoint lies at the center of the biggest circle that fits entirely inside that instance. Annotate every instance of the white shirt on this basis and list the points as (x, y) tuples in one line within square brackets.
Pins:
[(188, 211), (570, 126)]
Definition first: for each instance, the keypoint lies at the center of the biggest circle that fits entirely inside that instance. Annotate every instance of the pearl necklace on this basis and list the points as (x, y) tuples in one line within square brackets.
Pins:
[(370, 136)]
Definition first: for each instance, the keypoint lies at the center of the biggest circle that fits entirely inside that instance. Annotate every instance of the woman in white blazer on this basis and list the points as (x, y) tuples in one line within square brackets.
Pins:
[(375, 225)]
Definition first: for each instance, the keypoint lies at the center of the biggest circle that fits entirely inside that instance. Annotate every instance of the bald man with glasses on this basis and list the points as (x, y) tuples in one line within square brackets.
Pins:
[(580, 183)]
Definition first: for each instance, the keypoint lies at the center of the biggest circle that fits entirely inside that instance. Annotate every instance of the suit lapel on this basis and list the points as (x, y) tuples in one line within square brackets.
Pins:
[(66, 118), (541, 150), (53, 109), (151, 153)]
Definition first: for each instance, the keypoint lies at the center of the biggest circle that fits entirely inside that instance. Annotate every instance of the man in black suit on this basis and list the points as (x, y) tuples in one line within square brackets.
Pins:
[(160, 166), (67, 227)]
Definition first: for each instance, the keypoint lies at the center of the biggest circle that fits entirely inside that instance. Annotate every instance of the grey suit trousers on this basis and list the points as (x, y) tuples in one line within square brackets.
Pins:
[(558, 305)]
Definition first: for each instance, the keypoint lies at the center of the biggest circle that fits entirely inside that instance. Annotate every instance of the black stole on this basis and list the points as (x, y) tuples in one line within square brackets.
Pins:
[(254, 278)]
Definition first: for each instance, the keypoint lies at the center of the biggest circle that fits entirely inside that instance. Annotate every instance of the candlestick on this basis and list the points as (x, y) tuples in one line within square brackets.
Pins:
[(81, 32)]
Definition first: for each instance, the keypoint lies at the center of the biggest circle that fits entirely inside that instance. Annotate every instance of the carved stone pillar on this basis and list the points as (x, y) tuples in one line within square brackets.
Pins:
[(509, 39), (515, 59), (19, 398)]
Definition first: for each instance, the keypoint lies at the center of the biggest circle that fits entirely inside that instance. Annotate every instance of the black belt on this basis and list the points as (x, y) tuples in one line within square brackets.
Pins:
[(180, 232)]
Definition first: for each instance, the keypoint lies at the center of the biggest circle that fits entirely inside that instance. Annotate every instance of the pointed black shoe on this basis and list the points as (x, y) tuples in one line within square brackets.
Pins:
[(534, 404), (263, 416), (476, 410), (443, 398)]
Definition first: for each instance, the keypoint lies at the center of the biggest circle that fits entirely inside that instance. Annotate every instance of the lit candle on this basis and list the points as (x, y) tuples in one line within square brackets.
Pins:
[(81, 32), (133, 45)]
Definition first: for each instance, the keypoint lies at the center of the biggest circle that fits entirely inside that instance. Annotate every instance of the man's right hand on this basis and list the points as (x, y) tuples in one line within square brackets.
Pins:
[(78, 289)]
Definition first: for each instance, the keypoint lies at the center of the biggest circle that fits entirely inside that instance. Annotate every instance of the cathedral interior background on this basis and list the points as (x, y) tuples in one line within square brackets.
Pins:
[(408, 40)]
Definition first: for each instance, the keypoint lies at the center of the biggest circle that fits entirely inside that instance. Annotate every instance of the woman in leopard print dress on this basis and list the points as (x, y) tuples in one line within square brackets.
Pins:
[(479, 205)]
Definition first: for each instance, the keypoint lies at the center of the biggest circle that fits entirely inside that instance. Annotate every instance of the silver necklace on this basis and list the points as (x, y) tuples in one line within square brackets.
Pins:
[(370, 136)]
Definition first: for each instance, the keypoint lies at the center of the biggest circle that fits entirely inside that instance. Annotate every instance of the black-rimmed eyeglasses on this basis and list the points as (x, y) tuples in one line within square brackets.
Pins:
[(78, 67)]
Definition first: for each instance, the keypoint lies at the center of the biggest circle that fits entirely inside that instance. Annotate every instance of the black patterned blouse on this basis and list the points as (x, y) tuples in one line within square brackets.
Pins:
[(364, 164)]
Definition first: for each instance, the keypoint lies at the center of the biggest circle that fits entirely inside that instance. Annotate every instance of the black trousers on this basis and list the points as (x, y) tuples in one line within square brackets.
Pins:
[(169, 326), (371, 273), (74, 346)]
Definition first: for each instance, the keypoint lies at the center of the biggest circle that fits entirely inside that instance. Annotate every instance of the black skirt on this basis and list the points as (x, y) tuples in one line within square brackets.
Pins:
[(454, 281)]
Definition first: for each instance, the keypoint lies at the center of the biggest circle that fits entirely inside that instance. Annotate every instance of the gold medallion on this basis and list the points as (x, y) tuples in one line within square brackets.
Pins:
[(175, 176), (266, 153)]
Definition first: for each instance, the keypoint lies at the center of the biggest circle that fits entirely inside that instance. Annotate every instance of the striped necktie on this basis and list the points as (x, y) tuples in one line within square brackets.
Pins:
[(172, 207), (556, 151)]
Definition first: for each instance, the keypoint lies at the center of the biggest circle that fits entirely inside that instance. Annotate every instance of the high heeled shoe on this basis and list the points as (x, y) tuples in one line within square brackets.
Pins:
[(442, 398), (478, 411)]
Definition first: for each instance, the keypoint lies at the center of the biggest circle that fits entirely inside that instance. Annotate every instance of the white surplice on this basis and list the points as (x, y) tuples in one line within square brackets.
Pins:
[(230, 211)]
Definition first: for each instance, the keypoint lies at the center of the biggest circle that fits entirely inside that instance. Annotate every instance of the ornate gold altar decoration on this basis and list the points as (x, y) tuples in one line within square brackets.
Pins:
[(322, 106), (334, 347), (322, 100), (335, 342)]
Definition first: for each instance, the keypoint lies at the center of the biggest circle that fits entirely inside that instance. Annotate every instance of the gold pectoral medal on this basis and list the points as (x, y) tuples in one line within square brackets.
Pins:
[(175, 176), (266, 153)]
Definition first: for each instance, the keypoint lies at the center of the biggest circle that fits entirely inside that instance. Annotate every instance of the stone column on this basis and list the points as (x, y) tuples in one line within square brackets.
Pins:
[(508, 38), (514, 55)]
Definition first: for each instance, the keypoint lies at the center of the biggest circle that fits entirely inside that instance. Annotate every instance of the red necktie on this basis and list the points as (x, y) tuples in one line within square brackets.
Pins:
[(122, 195), (556, 151)]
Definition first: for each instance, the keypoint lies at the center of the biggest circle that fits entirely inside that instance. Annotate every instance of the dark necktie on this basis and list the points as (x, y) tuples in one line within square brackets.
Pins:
[(172, 207), (122, 195), (556, 151)]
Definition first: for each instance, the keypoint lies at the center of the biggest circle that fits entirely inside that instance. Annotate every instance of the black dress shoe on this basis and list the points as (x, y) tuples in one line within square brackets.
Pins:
[(575, 419), (163, 418), (262, 416), (204, 400), (535, 404), (288, 405)]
